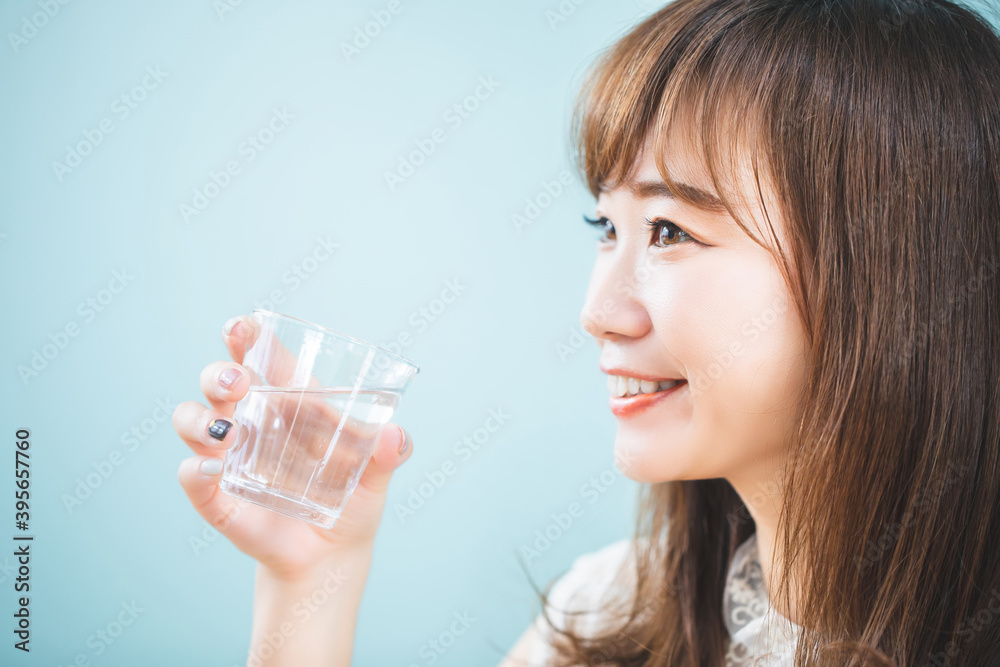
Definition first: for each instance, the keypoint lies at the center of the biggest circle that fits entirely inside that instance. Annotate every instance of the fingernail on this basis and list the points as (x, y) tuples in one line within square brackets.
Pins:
[(211, 466), (406, 442), (229, 377), (219, 428), (227, 328)]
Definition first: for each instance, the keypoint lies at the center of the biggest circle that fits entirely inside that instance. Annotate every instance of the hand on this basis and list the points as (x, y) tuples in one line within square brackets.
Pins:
[(287, 547)]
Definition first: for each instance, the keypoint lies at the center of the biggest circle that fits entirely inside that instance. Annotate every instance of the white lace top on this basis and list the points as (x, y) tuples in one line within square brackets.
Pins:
[(759, 636)]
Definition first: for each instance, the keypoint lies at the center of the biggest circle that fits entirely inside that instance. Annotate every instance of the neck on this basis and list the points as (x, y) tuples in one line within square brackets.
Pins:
[(762, 497)]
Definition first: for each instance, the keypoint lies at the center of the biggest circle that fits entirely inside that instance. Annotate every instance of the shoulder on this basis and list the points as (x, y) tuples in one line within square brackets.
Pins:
[(584, 595), (592, 574)]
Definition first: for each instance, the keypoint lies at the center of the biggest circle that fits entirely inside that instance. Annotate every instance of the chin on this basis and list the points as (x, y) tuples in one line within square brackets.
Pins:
[(650, 460)]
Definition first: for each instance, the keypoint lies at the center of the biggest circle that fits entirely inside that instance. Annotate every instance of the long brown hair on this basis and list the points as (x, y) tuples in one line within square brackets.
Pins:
[(877, 124)]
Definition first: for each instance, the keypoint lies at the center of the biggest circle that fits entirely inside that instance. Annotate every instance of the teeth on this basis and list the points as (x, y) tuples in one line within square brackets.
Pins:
[(620, 386), (648, 386)]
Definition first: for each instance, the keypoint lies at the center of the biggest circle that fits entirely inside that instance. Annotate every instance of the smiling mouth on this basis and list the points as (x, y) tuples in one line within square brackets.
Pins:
[(626, 387), (630, 404)]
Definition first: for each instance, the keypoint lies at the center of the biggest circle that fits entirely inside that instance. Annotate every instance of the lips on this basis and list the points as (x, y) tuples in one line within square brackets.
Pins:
[(633, 405)]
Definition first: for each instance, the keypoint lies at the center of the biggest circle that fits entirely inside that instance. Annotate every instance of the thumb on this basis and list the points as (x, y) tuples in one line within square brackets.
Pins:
[(393, 445)]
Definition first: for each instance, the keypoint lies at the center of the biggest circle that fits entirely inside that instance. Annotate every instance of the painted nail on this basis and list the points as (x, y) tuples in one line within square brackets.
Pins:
[(406, 443), (219, 428), (229, 377), (211, 467), (227, 328)]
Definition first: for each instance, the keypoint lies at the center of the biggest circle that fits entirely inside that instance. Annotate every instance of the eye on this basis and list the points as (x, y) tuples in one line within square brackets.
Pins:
[(666, 233), (603, 224)]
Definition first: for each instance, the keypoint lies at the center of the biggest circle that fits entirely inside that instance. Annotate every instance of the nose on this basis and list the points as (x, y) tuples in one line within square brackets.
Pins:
[(613, 308)]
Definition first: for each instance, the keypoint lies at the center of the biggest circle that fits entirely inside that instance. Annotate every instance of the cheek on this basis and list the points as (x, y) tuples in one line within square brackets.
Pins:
[(730, 325)]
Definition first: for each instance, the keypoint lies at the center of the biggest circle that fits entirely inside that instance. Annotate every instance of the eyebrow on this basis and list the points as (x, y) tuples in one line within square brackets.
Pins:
[(696, 196)]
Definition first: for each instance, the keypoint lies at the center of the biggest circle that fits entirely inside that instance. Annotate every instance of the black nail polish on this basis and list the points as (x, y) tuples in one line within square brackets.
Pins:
[(219, 428)]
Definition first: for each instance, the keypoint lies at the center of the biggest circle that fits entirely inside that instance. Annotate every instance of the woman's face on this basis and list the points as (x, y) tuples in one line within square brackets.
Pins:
[(703, 303)]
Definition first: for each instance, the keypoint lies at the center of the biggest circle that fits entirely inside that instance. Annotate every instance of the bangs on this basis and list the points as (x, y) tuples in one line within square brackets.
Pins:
[(696, 81)]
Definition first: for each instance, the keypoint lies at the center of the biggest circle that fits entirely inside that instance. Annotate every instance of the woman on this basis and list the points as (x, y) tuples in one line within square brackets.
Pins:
[(797, 304)]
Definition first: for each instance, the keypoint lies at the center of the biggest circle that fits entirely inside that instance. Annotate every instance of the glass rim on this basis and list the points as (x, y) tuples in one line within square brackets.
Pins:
[(338, 334)]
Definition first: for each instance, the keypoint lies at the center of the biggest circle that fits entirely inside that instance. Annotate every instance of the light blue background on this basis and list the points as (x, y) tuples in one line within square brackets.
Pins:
[(323, 175)]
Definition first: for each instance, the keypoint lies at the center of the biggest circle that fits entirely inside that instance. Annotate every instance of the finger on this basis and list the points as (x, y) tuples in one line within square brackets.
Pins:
[(224, 383), (242, 332), (392, 446), (199, 477), (239, 334), (208, 432)]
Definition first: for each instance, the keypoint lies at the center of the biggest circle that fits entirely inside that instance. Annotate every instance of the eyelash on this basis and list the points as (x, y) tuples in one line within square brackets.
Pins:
[(654, 225)]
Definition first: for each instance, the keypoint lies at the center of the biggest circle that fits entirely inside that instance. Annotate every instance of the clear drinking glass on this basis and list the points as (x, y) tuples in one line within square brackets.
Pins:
[(307, 427)]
